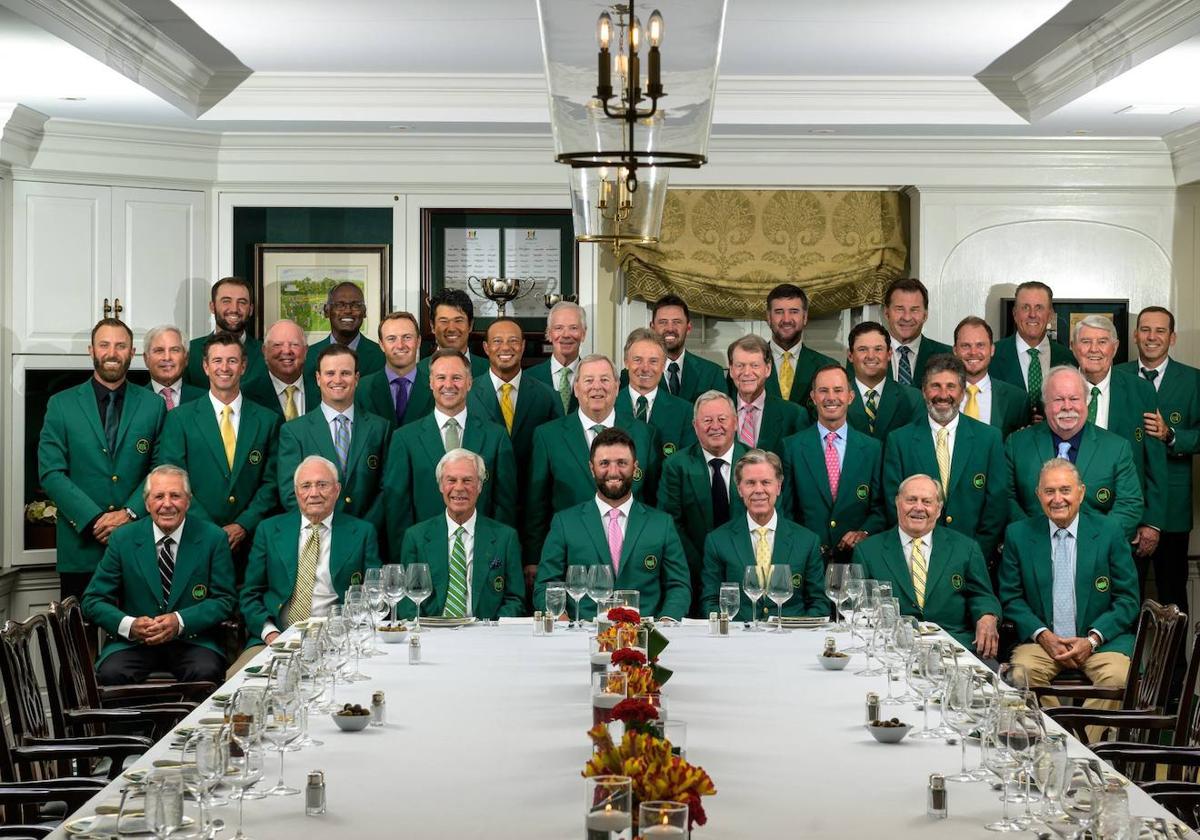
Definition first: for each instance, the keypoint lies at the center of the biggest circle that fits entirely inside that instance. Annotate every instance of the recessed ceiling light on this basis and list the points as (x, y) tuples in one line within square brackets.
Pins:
[(1150, 110), (73, 98), (821, 131)]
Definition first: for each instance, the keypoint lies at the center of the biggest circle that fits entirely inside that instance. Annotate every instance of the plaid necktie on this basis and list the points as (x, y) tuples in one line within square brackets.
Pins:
[(919, 571), (300, 606), (871, 408), (166, 565), (673, 378), (905, 367), (456, 589), (341, 441)]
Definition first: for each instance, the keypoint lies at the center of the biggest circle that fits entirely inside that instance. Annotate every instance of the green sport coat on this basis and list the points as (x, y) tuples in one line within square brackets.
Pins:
[(410, 488), (541, 372), (275, 556), (670, 416), (958, 591), (256, 365), (729, 550), (560, 474), (1106, 582), (1010, 407), (245, 495), (374, 394), (188, 392), (497, 582), (895, 406), (1105, 463), (652, 560), (536, 404), (697, 376), (1179, 404), (780, 419), (685, 493), (363, 478), (978, 491), (261, 392), (929, 347), (127, 582), (82, 477), (371, 358), (1007, 368), (806, 497), (1129, 397)]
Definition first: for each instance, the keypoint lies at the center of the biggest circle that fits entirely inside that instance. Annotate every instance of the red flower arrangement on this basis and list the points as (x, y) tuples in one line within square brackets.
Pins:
[(624, 615), (628, 656), (634, 712)]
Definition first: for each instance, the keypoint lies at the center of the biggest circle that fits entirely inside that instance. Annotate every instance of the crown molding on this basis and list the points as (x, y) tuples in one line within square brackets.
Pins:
[(21, 133), (1185, 153), (1113, 43), (112, 32), (521, 99)]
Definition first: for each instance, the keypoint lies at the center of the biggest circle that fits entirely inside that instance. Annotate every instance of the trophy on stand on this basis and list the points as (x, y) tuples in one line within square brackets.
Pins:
[(554, 297), (501, 290)]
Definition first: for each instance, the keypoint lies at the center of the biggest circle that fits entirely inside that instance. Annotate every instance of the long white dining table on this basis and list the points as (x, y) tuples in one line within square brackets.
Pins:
[(486, 738)]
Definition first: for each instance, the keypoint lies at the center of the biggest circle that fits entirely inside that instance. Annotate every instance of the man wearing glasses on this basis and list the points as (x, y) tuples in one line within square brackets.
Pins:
[(345, 308)]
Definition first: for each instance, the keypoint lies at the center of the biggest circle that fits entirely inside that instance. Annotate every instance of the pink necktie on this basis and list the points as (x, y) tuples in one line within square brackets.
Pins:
[(169, 396), (614, 538), (831, 464), (746, 433)]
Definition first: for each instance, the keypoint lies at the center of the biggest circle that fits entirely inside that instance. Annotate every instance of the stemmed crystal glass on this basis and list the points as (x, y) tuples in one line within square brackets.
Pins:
[(854, 587), (964, 707), (600, 584), (418, 586), (394, 588), (210, 748), (358, 616), (281, 726), (779, 589), (251, 764), (927, 672), (753, 585), (904, 637), (881, 630), (1050, 768), (1018, 731), (247, 709), (311, 683), (377, 600), (577, 587), (835, 591), (730, 599), (337, 653)]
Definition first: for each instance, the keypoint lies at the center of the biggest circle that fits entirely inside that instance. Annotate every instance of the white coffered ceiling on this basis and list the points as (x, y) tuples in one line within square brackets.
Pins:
[(1038, 68)]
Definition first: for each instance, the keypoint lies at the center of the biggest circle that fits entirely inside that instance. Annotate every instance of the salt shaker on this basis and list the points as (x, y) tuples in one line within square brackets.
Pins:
[(539, 624), (414, 649), (936, 808), (714, 623), (314, 794), (378, 709)]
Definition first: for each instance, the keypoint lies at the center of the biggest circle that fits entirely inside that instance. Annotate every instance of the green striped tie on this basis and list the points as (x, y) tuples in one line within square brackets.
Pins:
[(456, 592)]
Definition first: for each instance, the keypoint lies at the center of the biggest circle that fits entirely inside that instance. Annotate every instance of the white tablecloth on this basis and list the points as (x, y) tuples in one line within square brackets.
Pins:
[(487, 737)]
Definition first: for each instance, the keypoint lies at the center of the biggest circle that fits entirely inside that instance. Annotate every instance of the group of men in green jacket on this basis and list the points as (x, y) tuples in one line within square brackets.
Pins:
[(676, 474)]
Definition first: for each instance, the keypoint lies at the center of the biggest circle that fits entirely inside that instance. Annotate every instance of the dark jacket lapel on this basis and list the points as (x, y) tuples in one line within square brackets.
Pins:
[(633, 530), (485, 546), (88, 409), (594, 525), (964, 442), (814, 460), (146, 554), (210, 432), (247, 435), (893, 557)]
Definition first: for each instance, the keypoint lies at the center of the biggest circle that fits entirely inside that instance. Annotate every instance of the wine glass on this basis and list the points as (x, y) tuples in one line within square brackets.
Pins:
[(600, 584), (779, 589), (853, 585), (281, 726), (210, 748), (1050, 769), (753, 585), (929, 671), (419, 586), (251, 766), (1019, 730), (358, 617), (881, 630), (998, 759), (964, 705), (337, 653), (556, 598), (835, 591), (577, 578), (394, 588), (310, 686), (730, 599), (905, 635), (373, 587)]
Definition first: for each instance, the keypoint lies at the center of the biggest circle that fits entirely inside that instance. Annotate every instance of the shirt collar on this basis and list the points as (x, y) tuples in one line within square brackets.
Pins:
[(219, 406), (863, 387), (556, 366), (1102, 384), (441, 418), (727, 456), (392, 376), (159, 533), (279, 384), (176, 386), (1072, 527), (353, 345), (839, 432), (679, 361), (984, 385), (331, 413), (777, 351), (1162, 366), (759, 402), (914, 344), (770, 526), (468, 526), (1043, 347), (608, 422), (605, 507), (325, 524), (906, 539), (633, 396), (497, 382)]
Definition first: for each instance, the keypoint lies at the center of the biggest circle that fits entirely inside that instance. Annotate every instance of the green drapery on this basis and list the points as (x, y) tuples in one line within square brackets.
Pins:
[(723, 250)]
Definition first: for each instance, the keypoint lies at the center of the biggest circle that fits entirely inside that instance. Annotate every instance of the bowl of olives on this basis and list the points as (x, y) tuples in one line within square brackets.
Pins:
[(888, 731), (352, 717)]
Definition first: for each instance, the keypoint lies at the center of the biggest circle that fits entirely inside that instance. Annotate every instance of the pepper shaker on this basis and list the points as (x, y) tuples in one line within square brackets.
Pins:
[(872, 706), (937, 797)]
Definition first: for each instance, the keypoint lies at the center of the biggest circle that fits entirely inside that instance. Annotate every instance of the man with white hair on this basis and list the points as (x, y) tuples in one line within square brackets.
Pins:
[(566, 330), (474, 562), (1118, 401), (1104, 460), (162, 589), (166, 356), (285, 389), (302, 561)]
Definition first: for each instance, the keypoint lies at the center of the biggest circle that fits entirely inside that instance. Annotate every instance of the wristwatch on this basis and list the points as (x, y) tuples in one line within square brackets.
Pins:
[(129, 512), (1170, 441), (1093, 641)]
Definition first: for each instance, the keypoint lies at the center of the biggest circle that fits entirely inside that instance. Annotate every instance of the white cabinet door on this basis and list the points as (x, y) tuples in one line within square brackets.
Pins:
[(62, 265), (159, 258)]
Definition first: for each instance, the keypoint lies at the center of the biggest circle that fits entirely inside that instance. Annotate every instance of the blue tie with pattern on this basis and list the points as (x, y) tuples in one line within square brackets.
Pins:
[(1064, 585)]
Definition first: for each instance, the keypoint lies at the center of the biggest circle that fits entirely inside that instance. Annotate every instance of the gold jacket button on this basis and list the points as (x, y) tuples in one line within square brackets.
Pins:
[(232, 500), (949, 519), (348, 500), (112, 507), (114, 478), (832, 523)]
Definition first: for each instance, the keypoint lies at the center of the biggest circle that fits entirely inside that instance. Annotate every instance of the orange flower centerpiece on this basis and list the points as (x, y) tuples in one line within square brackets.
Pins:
[(623, 629)]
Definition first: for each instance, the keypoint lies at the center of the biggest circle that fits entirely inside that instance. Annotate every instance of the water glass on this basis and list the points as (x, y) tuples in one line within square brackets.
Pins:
[(730, 599), (753, 584)]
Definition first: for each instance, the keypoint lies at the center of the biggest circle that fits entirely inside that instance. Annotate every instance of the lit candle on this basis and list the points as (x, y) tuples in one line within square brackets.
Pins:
[(601, 658), (663, 832), (609, 820)]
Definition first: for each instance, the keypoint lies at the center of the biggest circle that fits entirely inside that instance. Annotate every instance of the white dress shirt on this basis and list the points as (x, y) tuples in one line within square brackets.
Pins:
[(914, 347), (777, 354), (1043, 349), (650, 397), (127, 622), (498, 383), (324, 595), (176, 389), (983, 399), (331, 414), (297, 398), (468, 539), (556, 371), (219, 407), (1103, 399), (587, 423), (726, 468), (863, 388), (770, 526), (440, 419), (906, 542), (1162, 371), (622, 520)]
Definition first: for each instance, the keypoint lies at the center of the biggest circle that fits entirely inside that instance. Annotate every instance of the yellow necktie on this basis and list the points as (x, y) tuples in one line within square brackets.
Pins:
[(300, 606), (971, 409), (762, 553), (228, 437), (506, 406), (919, 569), (786, 374), (289, 405), (942, 450)]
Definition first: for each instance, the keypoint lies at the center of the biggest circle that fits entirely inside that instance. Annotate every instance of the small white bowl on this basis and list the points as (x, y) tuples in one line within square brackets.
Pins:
[(889, 734), (351, 723), (833, 663), (394, 637)]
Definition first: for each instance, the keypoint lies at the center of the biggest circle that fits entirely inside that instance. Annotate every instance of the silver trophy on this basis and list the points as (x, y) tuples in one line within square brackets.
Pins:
[(554, 297), (501, 290)]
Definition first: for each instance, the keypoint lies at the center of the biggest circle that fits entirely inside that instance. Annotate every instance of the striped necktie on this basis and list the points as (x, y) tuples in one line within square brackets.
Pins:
[(643, 408), (919, 570), (871, 408), (166, 565), (300, 606), (904, 369), (341, 441), (746, 433), (456, 589), (942, 447)]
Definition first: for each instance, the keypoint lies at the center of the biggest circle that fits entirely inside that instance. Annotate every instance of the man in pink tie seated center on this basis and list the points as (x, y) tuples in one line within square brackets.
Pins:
[(612, 528)]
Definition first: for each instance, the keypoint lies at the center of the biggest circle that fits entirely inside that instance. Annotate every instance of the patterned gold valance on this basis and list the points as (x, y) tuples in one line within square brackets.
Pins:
[(723, 250)]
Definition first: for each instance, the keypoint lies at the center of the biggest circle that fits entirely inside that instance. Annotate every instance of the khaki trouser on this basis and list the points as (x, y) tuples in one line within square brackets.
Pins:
[(249, 653), (1103, 669)]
